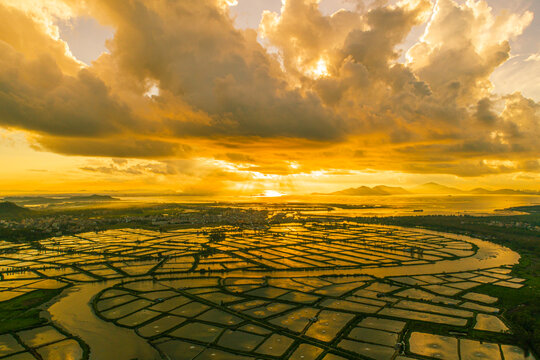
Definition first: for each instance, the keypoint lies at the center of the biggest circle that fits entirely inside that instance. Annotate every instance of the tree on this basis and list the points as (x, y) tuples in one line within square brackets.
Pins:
[(216, 235)]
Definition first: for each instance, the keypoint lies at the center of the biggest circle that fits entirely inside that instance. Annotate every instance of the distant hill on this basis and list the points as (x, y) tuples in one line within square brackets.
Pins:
[(531, 209), (430, 188), (434, 188), (380, 190), (9, 209), (41, 200), (392, 190), (92, 198), (359, 191), (503, 192)]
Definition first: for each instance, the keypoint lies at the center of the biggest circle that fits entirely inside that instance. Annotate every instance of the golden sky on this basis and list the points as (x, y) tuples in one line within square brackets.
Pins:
[(239, 97)]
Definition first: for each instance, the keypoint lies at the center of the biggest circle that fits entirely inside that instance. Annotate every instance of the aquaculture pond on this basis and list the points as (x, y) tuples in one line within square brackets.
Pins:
[(295, 291)]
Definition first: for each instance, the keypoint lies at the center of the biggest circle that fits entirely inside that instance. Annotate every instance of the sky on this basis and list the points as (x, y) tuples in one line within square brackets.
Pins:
[(242, 97)]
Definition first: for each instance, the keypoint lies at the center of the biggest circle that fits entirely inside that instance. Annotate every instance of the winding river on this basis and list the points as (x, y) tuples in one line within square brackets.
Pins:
[(74, 313)]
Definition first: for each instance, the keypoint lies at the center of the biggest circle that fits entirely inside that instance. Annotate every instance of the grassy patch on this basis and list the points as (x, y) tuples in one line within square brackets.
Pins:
[(21, 312)]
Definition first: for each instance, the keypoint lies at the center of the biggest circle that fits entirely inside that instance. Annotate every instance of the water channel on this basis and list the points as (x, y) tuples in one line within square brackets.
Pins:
[(73, 311)]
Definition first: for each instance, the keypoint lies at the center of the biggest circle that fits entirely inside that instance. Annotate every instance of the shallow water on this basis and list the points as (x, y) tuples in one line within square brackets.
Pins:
[(73, 312), (489, 255)]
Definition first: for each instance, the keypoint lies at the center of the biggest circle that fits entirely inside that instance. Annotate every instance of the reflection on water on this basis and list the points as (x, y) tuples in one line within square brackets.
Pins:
[(73, 312), (432, 205), (372, 205), (488, 255), (107, 341)]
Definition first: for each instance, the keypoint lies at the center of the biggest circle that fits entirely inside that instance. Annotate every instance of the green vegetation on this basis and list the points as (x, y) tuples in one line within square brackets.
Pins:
[(217, 236), (47, 222), (518, 232), (9, 210), (521, 307), (22, 312)]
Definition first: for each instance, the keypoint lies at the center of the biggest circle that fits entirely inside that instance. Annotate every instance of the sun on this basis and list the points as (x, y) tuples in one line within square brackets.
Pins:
[(272, 193), (320, 69)]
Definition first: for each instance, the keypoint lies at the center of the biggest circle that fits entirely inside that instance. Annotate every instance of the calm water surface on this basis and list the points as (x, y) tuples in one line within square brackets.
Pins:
[(373, 205), (107, 341)]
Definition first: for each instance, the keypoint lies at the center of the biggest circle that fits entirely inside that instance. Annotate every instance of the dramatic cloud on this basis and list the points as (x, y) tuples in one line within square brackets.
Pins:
[(117, 147), (306, 93)]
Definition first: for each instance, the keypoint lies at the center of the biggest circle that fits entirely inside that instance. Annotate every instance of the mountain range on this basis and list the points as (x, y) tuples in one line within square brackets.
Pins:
[(425, 189)]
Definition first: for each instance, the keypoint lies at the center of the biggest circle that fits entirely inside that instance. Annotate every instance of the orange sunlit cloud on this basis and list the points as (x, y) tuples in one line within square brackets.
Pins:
[(182, 99)]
